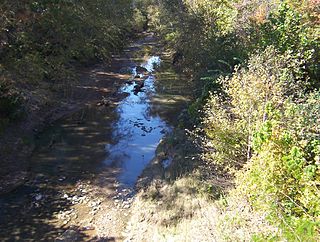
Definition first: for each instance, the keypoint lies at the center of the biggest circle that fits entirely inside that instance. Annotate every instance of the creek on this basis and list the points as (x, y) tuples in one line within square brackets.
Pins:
[(111, 144)]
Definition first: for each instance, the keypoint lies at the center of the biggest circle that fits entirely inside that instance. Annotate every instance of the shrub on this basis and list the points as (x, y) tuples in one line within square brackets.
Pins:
[(206, 25), (283, 176), (289, 30), (42, 38), (231, 121), (267, 124)]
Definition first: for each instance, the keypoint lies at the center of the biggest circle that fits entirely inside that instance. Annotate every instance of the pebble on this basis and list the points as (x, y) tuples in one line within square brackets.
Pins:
[(86, 228), (92, 213)]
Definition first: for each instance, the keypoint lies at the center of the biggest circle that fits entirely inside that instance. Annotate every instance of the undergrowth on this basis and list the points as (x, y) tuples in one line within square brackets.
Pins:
[(259, 108)]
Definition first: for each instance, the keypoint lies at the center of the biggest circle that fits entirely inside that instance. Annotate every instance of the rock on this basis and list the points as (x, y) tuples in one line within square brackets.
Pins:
[(62, 178), (38, 197), (141, 69), (92, 213), (126, 206), (69, 235), (86, 228), (138, 87), (103, 102)]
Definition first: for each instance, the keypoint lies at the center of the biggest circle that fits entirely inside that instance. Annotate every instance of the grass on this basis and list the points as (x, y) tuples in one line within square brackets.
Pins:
[(192, 204), (181, 211), (172, 212)]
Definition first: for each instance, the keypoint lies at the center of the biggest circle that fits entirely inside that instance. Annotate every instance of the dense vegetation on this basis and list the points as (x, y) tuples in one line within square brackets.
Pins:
[(259, 109), (42, 41), (258, 115)]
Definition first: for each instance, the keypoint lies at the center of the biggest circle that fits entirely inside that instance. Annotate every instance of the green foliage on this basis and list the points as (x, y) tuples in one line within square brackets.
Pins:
[(210, 83), (139, 20), (261, 122), (284, 29), (44, 41), (41, 39), (260, 119), (287, 29), (251, 94), (287, 160), (268, 125), (206, 25)]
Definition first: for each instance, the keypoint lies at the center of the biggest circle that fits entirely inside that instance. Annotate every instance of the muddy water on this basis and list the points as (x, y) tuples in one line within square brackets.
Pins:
[(96, 140)]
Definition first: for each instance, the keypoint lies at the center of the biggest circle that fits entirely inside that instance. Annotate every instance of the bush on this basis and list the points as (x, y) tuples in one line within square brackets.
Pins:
[(196, 31), (40, 39), (283, 176), (289, 30), (267, 124), (232, 119)]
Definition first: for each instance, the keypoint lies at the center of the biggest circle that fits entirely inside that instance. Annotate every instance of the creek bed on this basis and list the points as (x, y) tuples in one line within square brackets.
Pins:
[(113, 144)]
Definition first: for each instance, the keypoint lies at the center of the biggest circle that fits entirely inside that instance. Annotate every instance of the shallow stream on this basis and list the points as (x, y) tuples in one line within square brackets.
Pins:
[(95, 141)]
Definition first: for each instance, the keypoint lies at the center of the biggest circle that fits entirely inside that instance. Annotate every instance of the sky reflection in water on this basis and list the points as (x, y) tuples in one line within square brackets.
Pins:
[(138, 132)]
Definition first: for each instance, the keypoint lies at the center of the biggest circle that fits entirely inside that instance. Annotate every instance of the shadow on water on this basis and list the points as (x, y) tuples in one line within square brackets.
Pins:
[(95, 141)]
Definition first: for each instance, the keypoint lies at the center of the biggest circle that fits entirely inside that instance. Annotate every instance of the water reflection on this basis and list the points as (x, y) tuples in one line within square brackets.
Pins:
[(140, 131), (95, 140)]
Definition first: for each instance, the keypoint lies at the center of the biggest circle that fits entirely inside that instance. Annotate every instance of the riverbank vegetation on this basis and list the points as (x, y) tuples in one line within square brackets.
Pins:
[(42, 43), (257, 119), (254, 171)]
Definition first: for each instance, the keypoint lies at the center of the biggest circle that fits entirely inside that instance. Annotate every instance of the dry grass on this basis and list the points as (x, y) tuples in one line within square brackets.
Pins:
[(172, 212), (187, 202), (237, 220), (181, 211)]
